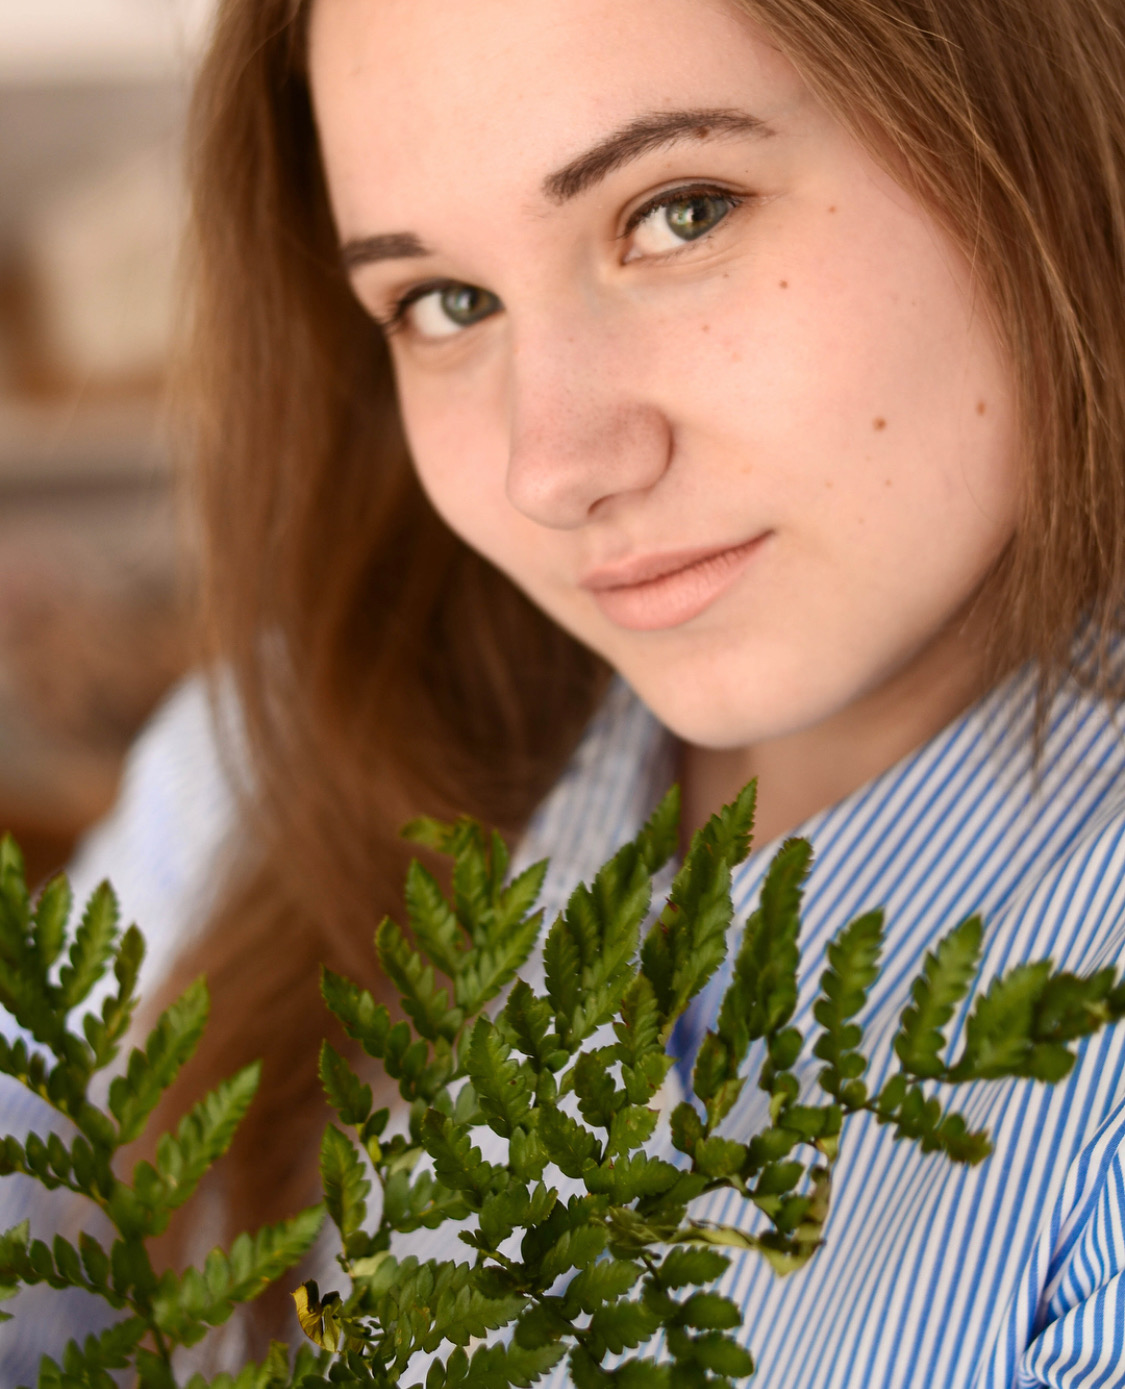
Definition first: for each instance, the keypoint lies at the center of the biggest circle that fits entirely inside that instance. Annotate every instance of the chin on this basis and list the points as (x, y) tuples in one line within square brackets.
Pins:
[(735, 699), (724, 709)]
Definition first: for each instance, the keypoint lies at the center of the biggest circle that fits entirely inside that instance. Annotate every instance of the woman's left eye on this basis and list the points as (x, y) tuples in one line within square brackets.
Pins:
[(672, 222)]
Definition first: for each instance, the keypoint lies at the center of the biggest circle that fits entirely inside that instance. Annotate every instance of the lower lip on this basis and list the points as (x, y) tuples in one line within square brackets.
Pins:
[(674, 599)]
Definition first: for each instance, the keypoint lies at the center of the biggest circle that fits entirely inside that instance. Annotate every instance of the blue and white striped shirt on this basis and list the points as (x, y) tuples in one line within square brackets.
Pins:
[(1008, 1274)]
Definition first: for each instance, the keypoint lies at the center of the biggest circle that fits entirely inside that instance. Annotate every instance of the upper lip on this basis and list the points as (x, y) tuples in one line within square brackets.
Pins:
[(644, 568)]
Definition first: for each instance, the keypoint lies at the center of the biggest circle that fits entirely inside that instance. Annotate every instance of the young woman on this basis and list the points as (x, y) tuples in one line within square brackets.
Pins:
[(587, 394)]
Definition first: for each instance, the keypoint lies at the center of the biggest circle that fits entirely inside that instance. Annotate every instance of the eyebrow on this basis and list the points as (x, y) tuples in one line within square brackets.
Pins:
[(367, 250), (639, 137)]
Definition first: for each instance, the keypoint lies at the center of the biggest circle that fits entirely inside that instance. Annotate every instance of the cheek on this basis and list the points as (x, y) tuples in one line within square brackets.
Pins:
[(459, 443), (459, 451), (857, 386)]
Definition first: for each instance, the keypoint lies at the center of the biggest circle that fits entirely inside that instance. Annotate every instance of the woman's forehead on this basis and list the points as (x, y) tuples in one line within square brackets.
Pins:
[(437, 91)]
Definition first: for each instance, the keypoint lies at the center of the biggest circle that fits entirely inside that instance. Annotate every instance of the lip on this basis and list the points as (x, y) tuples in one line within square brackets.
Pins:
[(652, 592)]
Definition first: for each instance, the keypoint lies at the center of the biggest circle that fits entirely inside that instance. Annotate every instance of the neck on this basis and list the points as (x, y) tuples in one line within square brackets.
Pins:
[(806, 771)]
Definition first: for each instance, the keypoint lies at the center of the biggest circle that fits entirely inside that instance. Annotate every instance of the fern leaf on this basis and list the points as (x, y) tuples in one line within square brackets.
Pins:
[(203, 1136), (433, 922), (688, 942), (104, 1033), (184, 1306), (345, 1183), (599, 1098), (853, 966), (503, 1085), (945, 979), (520, 896), (133, 1096), (347, 1094), (1022, 1024), (631, 1178), (458, 1165), (660, 838), (770, 943), (999, 1033), (684, 1266), (25, 991), (427, 1005), (468, 1315), (562, 962), (473, 898), (494, 965), (111, 1350), (570, 1146), (526, 1020), (92, 947), (431, 834), (509, 1367), (365, 1021), (609, 917), (52, 912)]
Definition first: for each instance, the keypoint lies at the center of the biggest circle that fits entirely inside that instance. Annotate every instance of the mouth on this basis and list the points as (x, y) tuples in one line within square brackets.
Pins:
[(653, 592)]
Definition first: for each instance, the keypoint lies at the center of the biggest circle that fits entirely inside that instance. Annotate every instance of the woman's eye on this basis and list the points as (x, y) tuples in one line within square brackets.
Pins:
[(441, 312), (669, 224)]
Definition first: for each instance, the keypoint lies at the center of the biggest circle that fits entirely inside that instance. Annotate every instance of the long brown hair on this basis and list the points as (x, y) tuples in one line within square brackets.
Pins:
[(381, 667)]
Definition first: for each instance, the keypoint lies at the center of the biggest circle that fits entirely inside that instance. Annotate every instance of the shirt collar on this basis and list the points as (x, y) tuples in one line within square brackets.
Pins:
[(976, 777)]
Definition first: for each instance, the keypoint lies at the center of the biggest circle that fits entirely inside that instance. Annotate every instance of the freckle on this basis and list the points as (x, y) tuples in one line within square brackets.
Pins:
[(832, 209), (784, 284), (981, 407), (880, 423), (706, 327), (829, 484), (887, 482)]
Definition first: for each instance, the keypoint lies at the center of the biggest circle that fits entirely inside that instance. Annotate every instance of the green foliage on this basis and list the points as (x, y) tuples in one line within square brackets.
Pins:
[(946, 978), (46, 974), (565, 1083)]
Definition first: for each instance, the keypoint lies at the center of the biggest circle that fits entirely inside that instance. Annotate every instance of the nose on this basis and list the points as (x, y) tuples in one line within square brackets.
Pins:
[(581, 429)]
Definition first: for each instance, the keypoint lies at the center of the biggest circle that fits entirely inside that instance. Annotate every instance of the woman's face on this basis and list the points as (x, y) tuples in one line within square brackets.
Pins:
[(672, 350)]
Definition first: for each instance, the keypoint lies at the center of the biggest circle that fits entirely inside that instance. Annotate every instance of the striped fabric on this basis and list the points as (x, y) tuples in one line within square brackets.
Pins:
[(1009, 1274)]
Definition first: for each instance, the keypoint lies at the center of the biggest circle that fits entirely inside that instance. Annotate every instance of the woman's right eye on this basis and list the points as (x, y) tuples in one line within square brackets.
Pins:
[(443, 310)]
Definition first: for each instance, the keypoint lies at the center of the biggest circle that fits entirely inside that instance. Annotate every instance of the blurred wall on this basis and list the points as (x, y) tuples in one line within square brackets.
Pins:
[(93, 623)]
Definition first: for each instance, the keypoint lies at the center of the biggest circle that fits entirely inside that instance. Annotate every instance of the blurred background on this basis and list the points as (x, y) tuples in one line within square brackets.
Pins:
[(93, 624)]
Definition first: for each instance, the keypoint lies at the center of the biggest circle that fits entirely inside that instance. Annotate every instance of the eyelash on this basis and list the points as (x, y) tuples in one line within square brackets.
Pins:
[(395, 321), (679, 195)]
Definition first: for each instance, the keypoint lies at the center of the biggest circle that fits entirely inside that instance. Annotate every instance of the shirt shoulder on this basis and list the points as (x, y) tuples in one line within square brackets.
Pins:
[(169, 837)]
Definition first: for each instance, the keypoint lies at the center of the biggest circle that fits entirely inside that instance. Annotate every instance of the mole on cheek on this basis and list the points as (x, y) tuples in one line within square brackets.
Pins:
[(981, 407), (784, 284), (879, 423)]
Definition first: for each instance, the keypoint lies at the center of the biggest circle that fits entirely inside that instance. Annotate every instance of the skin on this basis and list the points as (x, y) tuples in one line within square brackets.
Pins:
[(815, 373)]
